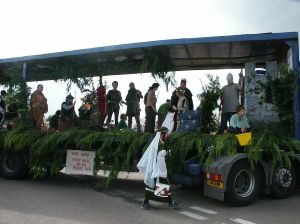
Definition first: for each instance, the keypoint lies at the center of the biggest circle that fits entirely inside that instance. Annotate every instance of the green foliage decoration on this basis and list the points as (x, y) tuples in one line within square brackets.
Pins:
[(161, 67), (206, 147), (21, 138), (279, 90), (272, 145), (212, 92), (220, 145), (17, 90), (120, 150), (2, 138), (50, 149)]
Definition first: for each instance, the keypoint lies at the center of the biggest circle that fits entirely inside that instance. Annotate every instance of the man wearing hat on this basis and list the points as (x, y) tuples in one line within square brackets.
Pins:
[(187, 93), (114, 99), (67, 113), (2, 107)]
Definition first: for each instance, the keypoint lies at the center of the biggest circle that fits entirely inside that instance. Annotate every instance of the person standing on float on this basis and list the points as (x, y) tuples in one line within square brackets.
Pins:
[(187, 93), (229, 102), (114, 100), (133, 109), (151, 108), (102, 102), (39, 106)]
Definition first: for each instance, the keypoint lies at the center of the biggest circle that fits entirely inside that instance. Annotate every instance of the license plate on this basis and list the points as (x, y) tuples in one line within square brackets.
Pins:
[(215, 183)]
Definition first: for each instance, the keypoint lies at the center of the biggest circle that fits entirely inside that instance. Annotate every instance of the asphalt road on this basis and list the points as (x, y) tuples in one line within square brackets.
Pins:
[(72, 200)]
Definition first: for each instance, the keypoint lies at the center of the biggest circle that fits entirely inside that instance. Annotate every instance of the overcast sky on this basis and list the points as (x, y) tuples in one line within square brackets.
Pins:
[(35, 27)]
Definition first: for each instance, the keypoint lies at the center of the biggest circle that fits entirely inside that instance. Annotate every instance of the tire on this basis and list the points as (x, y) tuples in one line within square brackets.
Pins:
[(13, 165), (242, 185), (283, 182)]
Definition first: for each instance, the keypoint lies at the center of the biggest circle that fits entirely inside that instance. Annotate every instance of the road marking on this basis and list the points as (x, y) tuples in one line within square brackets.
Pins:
[(207, 211), (193, 215), (242, 221)]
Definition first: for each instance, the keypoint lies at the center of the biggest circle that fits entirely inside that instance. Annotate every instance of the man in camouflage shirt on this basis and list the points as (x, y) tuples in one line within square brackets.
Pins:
[(114, 99)]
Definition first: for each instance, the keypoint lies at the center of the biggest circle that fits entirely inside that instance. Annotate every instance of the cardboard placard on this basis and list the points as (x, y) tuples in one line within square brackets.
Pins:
[(80, 162)]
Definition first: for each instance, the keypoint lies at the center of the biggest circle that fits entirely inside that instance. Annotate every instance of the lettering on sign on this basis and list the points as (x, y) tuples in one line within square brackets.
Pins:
[(80, 162)]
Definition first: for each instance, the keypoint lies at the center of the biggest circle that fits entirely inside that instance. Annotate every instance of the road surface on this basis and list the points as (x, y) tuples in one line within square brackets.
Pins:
[(72, 200)]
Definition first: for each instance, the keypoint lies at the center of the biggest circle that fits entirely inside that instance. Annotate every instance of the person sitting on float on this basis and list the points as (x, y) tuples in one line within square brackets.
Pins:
[(68, 116), (53, 120), (85, 110), (122, 123), (239, 122)]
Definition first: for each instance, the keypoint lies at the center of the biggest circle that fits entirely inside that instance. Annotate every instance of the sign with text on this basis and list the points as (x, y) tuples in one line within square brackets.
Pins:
[(80, 162)]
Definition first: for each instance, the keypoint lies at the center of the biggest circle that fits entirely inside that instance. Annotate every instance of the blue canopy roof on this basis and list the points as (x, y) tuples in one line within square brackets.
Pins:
[(186, 54)]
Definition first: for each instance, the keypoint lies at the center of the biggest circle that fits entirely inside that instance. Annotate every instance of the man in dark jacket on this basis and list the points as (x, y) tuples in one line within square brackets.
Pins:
[(114, 100), (53, 121), (133, 106), (187, 93), (67, 114)]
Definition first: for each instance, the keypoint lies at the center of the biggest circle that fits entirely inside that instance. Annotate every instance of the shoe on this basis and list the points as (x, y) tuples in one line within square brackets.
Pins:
[(146, 206), (172, 205)]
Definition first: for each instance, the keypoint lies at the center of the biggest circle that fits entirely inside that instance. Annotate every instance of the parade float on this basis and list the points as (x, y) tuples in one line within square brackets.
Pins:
[(268, 162)]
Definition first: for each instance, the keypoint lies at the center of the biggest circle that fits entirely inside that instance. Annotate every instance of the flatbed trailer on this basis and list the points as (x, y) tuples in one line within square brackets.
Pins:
[(229, 178)]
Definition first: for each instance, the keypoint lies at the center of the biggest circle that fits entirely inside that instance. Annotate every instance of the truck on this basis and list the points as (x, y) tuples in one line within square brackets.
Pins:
[(227, 178)]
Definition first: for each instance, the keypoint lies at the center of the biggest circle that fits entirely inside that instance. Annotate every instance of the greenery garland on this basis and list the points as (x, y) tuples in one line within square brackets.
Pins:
[(279, 90), (209, 103), (116, 151), (17, 90), (161, 67)]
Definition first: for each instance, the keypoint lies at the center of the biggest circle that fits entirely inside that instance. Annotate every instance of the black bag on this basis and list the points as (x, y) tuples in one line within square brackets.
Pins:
[(145, 98)]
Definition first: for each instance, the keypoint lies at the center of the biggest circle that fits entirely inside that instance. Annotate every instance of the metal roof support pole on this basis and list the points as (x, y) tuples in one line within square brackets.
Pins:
[(295, 66), (24, 71), (100, 80)]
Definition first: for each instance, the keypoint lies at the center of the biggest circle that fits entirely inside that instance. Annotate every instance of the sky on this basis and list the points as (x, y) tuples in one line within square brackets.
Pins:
[(35, 27)]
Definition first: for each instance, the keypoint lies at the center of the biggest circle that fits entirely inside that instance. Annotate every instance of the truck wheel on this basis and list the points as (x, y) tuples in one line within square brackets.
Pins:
[(283, 182), (242, 185), (12, 165)]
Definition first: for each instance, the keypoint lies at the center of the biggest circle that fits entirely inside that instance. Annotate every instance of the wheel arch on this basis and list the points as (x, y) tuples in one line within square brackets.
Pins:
[(19, 172), (223, 166)]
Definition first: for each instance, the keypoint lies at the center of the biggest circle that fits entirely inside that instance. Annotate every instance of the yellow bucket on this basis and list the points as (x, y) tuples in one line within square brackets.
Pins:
[(244, 139)]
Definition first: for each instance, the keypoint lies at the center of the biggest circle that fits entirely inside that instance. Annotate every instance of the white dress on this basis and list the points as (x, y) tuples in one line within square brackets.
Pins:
[(169, 122), (161, 168)]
